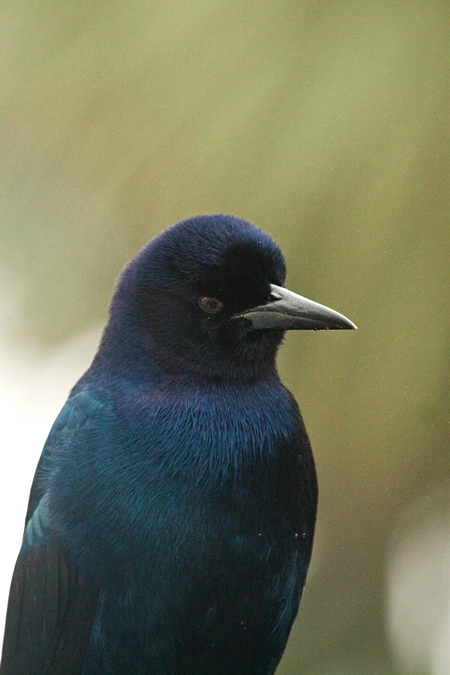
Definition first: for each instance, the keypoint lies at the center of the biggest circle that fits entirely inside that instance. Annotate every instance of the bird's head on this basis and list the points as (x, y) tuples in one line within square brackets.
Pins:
[(206, 298)]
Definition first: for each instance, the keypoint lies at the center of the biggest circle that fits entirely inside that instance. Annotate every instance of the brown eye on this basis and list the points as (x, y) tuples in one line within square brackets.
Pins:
[(210, 305)]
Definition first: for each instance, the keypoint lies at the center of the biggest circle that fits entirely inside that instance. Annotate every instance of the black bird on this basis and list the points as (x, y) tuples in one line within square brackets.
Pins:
[(171, 518)]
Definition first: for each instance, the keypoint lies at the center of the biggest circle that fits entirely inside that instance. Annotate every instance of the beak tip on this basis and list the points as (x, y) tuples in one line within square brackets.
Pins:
[(339, 322)]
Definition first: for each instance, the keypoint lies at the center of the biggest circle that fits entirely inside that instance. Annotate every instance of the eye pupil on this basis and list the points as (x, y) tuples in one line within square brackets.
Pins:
[(210, 305)]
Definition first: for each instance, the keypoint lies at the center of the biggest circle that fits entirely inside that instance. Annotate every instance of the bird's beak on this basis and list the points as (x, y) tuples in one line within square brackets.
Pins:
[(288, 311)]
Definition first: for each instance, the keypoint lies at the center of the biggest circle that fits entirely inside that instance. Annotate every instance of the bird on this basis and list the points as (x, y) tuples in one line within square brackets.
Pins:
[(171, 518)]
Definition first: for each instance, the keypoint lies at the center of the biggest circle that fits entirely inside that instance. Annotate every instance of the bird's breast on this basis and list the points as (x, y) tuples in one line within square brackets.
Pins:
[(213, 429), (190, 475)]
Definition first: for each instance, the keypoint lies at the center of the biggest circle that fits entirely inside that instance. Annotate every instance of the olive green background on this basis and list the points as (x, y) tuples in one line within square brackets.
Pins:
[(324, 122)]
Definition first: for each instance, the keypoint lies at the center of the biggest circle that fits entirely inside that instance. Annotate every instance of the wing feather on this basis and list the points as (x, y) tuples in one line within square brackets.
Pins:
[(51, 605)]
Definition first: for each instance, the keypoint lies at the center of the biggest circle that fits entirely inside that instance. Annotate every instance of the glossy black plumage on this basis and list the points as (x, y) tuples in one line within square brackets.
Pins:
[(171, 518)]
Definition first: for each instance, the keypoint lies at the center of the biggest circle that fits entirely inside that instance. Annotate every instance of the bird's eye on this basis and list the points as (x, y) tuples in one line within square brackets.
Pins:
[(210, 305)]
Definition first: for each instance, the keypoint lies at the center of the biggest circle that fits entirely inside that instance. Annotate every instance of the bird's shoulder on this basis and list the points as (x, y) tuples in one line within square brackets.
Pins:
[(81, 407)]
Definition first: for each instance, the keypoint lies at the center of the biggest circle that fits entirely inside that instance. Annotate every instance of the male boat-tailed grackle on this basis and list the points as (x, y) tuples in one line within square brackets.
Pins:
[(171, 518)]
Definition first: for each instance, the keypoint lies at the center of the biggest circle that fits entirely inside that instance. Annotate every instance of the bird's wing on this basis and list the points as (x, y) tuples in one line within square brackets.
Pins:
[(51, 606), (78, 410)]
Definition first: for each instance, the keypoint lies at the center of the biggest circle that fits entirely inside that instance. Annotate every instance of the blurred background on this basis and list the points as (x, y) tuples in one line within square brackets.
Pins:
[(326, 122)]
